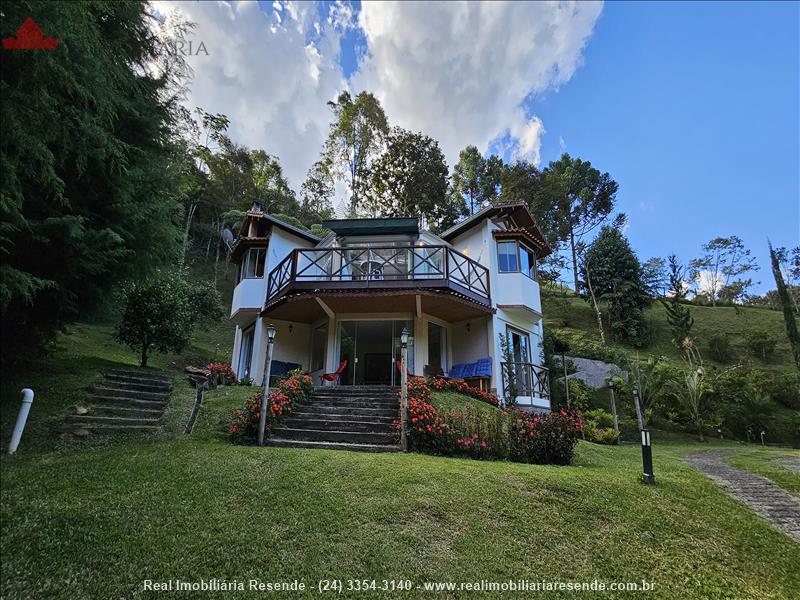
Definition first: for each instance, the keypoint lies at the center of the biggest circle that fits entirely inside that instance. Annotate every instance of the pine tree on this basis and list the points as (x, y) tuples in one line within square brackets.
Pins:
[(786, 303), (679, 316)]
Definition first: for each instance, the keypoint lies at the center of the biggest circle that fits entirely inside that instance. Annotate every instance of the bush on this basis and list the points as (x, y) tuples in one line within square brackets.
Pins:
[(579, 394), (223, 373), (785, 389), (512, 434), (546, 440), (600, 417), (719, 344), (761, 344), (600, 435), (296, 388)]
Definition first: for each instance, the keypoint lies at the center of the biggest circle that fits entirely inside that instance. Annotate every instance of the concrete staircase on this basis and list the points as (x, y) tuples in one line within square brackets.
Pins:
[(343, 418), (122, 401)]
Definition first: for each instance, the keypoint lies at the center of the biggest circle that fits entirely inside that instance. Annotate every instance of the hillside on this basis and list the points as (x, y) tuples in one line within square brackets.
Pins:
[(575, 319)]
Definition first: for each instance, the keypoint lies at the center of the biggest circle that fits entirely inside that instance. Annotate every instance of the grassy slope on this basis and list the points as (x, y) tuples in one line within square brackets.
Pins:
[(95, 524), (575, 318)]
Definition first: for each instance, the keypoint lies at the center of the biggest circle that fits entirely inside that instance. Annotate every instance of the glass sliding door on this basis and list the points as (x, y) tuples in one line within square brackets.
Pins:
[(519, 344), (437, 349), (245, 353), (372, 350)]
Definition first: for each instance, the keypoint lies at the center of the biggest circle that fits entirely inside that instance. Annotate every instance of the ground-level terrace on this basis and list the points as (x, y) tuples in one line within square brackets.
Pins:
[(318, 332)]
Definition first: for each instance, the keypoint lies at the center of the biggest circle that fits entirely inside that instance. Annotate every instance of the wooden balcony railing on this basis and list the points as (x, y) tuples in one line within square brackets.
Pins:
[(525, 379), (379, 267)]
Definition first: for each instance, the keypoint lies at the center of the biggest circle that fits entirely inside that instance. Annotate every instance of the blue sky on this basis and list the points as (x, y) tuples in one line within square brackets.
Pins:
[(693, 108)]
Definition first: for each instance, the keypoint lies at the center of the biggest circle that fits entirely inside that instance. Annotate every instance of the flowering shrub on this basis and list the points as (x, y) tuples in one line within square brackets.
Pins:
[(296, 388), (426, 427), (222, 371), (486, 434), (460, 386), (545, 440)]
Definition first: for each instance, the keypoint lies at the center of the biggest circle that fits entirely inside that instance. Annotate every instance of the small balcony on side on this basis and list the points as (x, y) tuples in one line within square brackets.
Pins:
[(373, 278)]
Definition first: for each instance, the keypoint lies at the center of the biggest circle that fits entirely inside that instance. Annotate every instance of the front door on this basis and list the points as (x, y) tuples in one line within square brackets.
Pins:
[(519, 343), (372, 351)]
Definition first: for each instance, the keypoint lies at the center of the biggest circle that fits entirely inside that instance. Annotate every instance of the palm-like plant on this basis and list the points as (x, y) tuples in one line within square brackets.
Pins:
[(692, 387)]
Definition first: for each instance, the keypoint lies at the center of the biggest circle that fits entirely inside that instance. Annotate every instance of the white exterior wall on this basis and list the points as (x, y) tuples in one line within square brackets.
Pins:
[(249, 294)]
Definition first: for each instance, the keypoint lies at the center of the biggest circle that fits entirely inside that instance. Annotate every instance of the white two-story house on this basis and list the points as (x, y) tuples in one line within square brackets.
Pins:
[(341, 303)]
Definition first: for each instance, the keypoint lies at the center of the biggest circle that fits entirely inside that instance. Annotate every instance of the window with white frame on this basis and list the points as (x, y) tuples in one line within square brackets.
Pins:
[(515, 257), (252, 265)]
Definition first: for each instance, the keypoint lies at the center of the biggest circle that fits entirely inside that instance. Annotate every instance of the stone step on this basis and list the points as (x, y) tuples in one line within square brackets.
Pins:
[(366, 403), (125, 411), (321, 435), (81, 429), (344, 391), (129, 402), (338, 425), (112, 381), (327, 409), (105, 390), (315, 416), (284, 443), (157, 375), (161, 383), (85, 420)]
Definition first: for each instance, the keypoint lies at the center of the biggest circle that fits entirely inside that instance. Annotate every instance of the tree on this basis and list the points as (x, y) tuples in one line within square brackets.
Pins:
[(160, 313), (647, 377), (89, 172), (616, 277), (357, 135), (584, 197), (475, 180), (654, 276), (317, 193), (410, 178), (679, 316), (724, 259), (786, 303)]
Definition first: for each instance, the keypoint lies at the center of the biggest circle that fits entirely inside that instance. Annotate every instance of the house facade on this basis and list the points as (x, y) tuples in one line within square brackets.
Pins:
[(469, 299)]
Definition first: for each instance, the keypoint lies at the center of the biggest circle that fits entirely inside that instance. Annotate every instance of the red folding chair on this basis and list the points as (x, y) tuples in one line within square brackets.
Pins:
[(335, 376)]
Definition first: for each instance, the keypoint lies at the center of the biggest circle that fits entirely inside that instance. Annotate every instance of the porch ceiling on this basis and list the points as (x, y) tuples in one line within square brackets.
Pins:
[(448, 306)]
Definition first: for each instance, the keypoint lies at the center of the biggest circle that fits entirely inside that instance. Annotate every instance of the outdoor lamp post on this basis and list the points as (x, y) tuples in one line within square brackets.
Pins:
[(404, 389), (262, 422), (611, 385), (647, 458)]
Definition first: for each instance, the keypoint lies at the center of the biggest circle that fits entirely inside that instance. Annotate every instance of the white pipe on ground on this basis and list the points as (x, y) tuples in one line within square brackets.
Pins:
[(22, 417)]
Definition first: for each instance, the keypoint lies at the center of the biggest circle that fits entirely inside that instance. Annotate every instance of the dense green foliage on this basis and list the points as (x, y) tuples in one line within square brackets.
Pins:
[(786, 302), (159, 314), (410, 178), (88, 167), (616, 278)]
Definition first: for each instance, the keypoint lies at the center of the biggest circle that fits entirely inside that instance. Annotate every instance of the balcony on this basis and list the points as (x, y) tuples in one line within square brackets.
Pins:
[(526, 380), (373, 272)]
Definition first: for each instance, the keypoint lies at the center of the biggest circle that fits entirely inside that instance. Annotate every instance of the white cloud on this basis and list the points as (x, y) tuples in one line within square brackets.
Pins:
[(705, 282), (266, 76), (460, 72)]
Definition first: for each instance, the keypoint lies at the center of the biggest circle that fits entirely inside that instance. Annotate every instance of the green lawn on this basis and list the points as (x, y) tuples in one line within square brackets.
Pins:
[(97, 523)]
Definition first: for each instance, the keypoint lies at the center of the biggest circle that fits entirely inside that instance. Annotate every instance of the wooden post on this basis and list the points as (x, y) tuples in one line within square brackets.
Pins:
[(404, 397), (614, 409), (262, 421)]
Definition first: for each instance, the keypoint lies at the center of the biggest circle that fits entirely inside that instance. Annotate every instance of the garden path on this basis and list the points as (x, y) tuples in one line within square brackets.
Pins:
[(780, 508)]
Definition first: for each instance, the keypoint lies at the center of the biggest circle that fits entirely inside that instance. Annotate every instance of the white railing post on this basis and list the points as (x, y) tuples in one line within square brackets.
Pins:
[(22, 418)]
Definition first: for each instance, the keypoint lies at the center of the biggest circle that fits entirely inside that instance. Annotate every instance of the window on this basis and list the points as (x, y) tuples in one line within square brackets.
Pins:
[(507, 257), (252, 266), (319, 339), (527, 261), (245, 353), (514, 257)]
